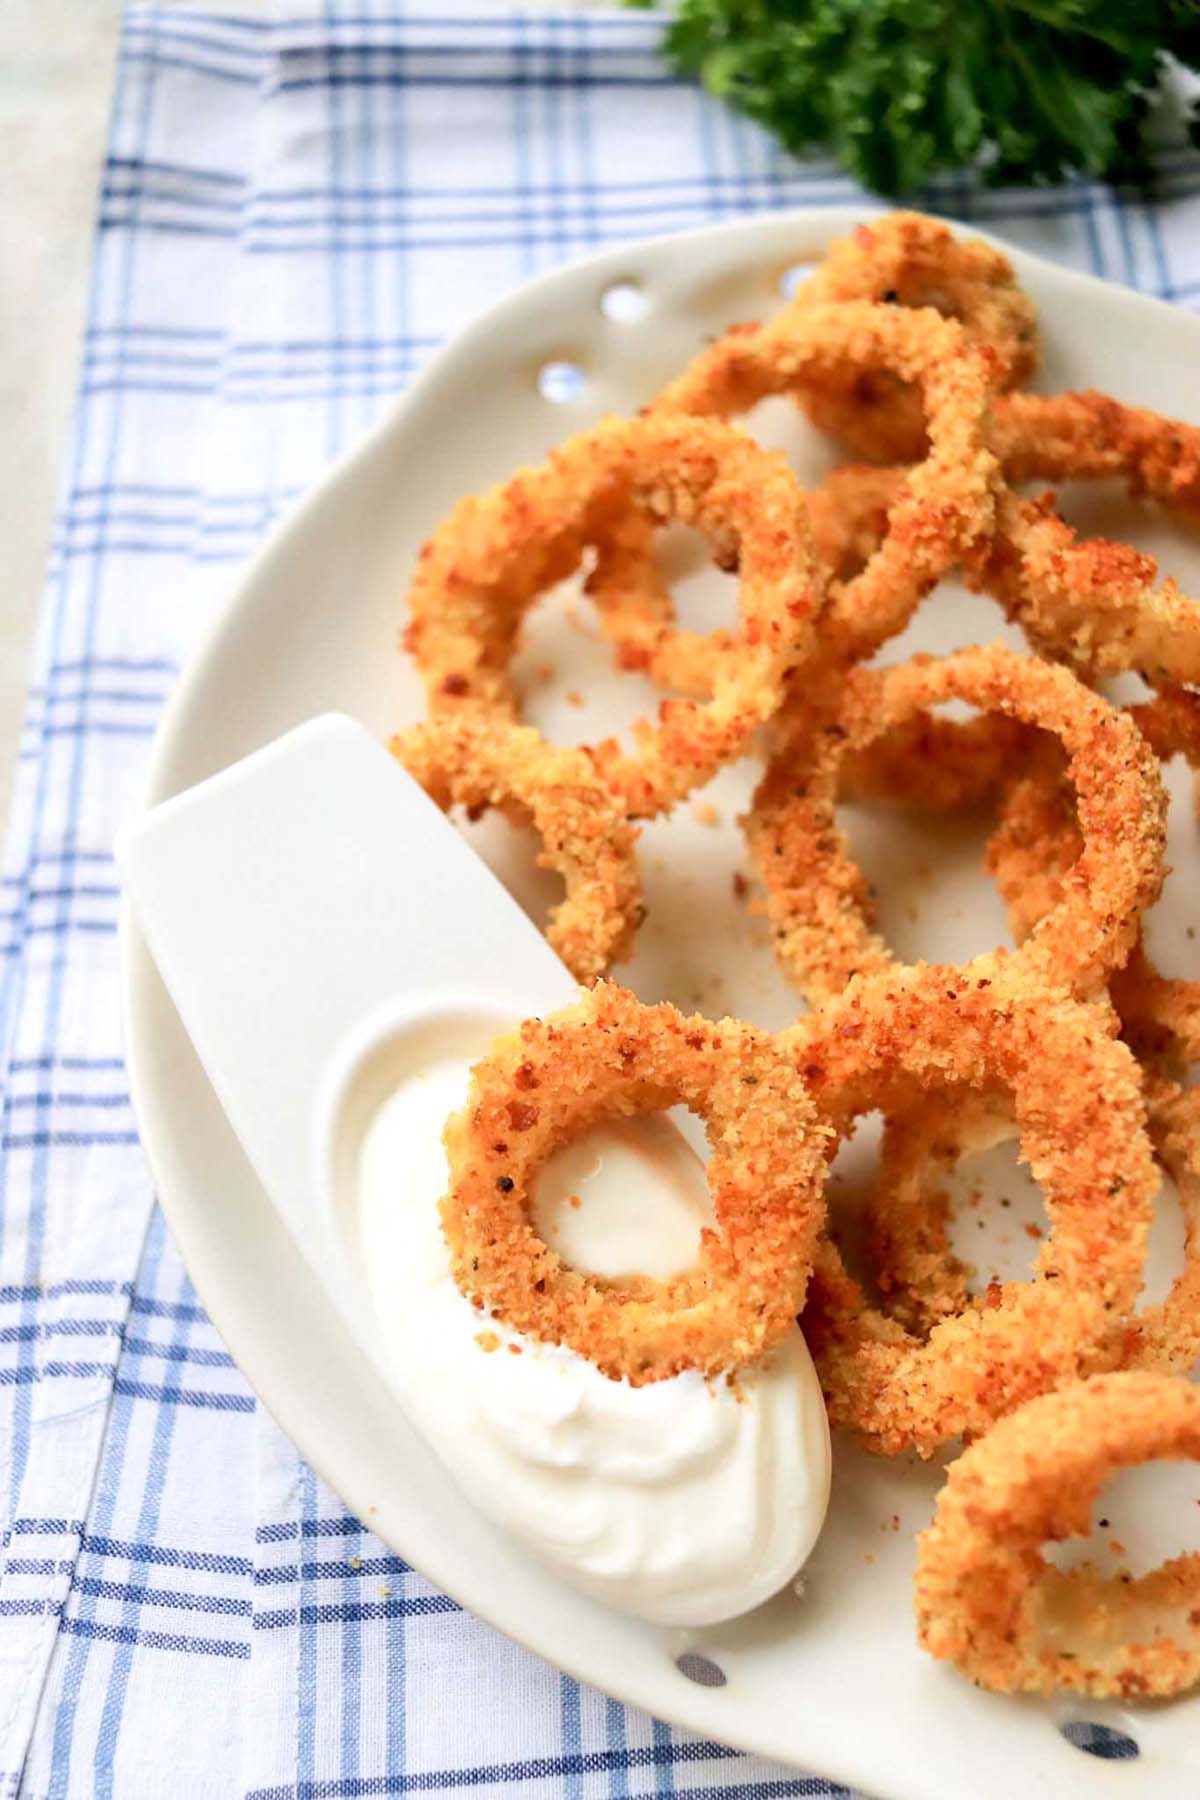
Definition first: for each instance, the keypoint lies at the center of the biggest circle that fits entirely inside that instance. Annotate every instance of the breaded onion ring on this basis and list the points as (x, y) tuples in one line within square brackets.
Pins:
[(1037, 843), (496, 553), (941, 765), (1074, 436), (941, 512), (920, 1280), (1076, 1095), (987, 1599), (817, 898), (611, 1057), (474, 762), (1166, 1335), (848, 513), (905, 259), (1088, 602)]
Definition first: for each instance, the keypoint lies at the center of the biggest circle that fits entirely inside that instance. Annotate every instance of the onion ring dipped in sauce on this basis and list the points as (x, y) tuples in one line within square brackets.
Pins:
[(989, 1601), (1075, 1092), (496, 553), (612, 1057), (817, 899), (469, 761)]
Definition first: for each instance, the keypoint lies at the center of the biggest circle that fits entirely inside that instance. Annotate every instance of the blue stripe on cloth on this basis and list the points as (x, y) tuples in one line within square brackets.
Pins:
[(572, 1765), (126, 1637), (82, 1611), (127, 1632)]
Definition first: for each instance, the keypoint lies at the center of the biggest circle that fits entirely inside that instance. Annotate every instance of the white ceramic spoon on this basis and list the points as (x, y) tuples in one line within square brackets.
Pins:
[(339, 956)]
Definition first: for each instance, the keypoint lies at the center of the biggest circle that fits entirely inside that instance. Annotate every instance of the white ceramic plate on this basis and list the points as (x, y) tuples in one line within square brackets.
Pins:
[(833, 1682)]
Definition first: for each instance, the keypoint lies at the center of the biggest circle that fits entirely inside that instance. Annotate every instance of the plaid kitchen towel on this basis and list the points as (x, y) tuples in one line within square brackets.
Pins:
[(295, 212)]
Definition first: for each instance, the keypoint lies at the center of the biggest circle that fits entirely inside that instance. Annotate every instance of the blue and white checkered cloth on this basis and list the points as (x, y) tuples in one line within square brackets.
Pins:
[(295, 213)]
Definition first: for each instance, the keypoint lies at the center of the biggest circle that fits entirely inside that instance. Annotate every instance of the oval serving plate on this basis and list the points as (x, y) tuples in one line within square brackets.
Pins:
[(832, 1680)]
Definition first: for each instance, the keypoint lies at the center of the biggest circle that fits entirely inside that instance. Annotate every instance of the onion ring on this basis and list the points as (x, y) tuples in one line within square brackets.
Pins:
[(986, 1598), (920, 1280), (940, 514), (906, 259), (943, 513), (1088, 602), (611, 1057), (495, 553), (1166, 1336), (817, 899), (1072, 436), (468, 761), (848, 513), (1036, 844), (885, 1041)]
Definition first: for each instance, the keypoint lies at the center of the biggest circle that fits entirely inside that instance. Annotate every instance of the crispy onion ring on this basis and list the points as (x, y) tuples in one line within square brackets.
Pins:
[(611, 1057), (848, 513), (987, 1599), (1166, 1335), (1036, 844), (920, 1279), (907, 260), (940, 514), (1071, 436), (941, 765), (1088, 602), (943, 512), (1075, 1092), (817, 899), (497, 552), (473, 762)]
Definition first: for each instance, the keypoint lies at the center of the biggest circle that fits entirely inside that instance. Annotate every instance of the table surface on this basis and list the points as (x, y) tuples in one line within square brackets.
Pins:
[(57, 60)]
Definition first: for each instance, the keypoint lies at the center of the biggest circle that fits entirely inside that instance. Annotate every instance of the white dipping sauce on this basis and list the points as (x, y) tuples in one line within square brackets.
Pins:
[(679, 1501)]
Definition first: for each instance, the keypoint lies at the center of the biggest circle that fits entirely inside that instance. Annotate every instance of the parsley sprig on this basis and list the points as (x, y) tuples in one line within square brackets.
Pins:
[(900, 90)]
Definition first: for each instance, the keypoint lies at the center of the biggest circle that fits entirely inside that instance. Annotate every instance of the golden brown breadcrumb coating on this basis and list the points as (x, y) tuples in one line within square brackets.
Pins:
[(473, 762), (817, 898), (1075, 1091), (611, 1057), (987, 1599)]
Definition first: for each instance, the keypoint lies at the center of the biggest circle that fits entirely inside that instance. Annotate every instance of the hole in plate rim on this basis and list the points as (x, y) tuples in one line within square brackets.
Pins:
[(702, 1670), (795, 274), (624, 300), (1099, 1740), (561, 381)]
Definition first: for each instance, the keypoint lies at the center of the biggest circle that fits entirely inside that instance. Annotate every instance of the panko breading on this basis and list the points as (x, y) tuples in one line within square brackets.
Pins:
[(611, 1057), (987, 1599), (817, 898), (497, 552), (476, 763), (908, 260), (1075, 1092)]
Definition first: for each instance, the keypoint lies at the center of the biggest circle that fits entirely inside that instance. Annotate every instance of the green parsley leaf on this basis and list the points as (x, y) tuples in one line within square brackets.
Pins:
[(898, 91)]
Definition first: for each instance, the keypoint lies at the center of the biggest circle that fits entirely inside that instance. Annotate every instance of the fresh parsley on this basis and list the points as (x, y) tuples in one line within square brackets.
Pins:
[(899, 90)]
